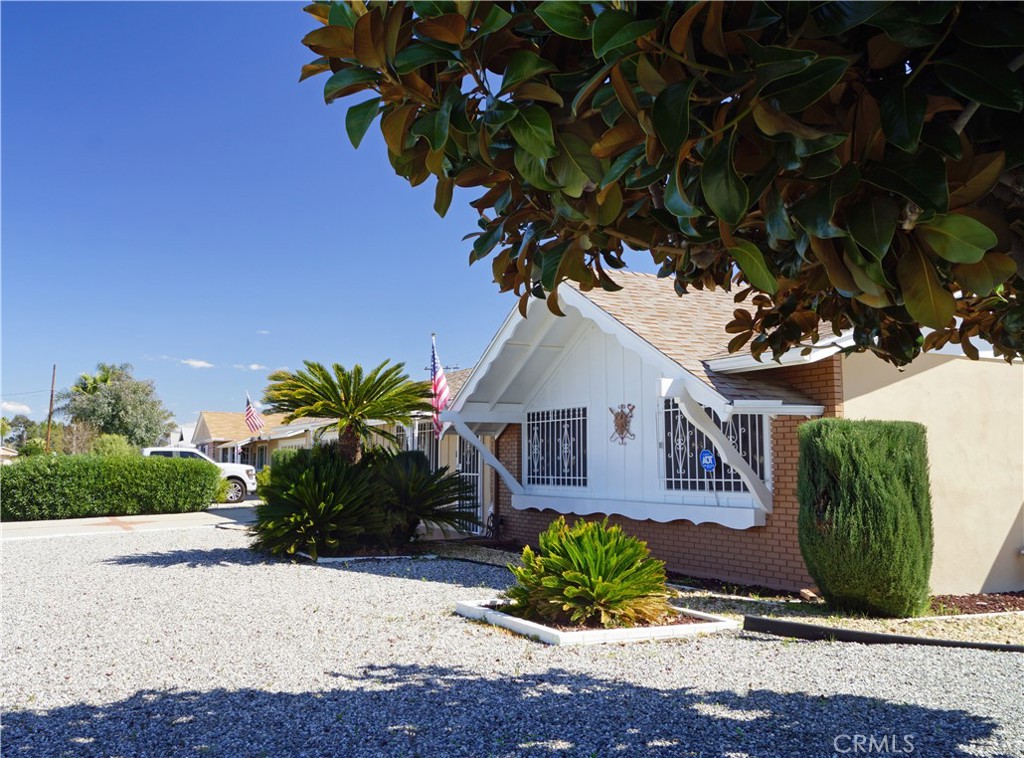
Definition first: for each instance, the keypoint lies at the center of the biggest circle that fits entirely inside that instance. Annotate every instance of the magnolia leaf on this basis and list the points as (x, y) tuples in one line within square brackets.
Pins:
[(524, 65), (992, 27), (979, 76), (680, 33), (537, 91), (676, 201), (417, 56), (903, 117), (533, 170), (449, 28), (927, 301), (838, 16), (649, 77), (578, 151), (773, 122), (670, 114), (617, 139), (814, 213), (330, 41), (872, 223), (751, 262), (983, 277), (614, 28), (566, 19), (342, 14), (621, 165), (358, 119), (838, 274), (313, 68), (796, 92), (985, 172), (368, 40), (920, 178), (773, 63), (592, 85), (443, 195), (532, 130), (723, 188), (942, 137), (347, 81), (775, 216), (957, 238), (486, 241), (568, 175)]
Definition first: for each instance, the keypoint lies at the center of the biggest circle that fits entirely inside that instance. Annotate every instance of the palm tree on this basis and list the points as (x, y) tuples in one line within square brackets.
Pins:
[(89, 384), (385, 394)]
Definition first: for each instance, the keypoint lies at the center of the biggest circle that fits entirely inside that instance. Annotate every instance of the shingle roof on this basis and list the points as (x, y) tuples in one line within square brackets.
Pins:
[(223, 425), (457, 380), (689, 330)]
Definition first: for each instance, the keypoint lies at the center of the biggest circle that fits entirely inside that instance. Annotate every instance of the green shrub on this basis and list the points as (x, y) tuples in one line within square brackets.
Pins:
[(283, 455), (221, 493), (865, 520), (263, 478), (319, 504), (112, 444), (590, 574), (416, 495), (73, 486)]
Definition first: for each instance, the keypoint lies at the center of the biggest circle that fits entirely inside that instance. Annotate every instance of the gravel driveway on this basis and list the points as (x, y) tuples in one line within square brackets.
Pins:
[(186, 643)]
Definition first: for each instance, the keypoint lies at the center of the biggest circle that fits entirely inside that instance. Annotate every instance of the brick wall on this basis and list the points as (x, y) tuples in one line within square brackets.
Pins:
[(767, 556)]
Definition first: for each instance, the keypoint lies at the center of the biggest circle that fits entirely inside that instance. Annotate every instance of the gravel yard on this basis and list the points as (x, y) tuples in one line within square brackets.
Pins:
[(186, 643)]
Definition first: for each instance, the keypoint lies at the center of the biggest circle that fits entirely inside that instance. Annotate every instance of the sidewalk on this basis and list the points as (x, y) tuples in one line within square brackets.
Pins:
[(224, 517)]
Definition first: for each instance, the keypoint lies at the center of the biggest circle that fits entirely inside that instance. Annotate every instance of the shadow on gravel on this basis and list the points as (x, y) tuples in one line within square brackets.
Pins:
[(219, 556), (441, 711)]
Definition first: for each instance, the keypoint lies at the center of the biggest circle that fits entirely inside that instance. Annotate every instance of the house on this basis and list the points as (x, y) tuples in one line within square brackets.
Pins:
[(7, 455), (630, 406), (218, 434)]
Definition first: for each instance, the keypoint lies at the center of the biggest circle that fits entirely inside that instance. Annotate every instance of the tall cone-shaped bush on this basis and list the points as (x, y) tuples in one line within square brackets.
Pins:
[(865, 520)]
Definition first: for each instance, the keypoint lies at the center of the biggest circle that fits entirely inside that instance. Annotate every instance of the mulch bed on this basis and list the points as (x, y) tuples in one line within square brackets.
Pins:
[(993, 602), (728, 588)]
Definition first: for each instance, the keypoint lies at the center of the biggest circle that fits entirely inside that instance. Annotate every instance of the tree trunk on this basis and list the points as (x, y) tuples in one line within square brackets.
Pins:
[(349, 447)]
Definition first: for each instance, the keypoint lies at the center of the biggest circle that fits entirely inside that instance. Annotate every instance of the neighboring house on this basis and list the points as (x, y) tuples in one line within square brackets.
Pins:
[(7, 455), (631, 406), (219, 435)]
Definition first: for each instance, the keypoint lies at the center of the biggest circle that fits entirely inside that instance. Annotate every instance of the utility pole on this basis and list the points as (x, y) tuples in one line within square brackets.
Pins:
[(49, 416)]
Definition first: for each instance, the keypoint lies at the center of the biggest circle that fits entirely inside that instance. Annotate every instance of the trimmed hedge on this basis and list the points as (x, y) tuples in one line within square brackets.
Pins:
[(865, 520), (74, 486)]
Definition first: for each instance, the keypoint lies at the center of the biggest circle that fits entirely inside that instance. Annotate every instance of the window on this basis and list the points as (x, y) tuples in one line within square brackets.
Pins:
[(556, 447), (188, 454), (261, 457), (684, 443), (162, 453)]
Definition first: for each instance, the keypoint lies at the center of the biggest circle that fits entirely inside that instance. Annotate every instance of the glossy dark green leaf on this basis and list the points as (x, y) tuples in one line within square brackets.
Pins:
[(676, 201), (987, 274), (724, 190), (772, 62), (342, 14), (903, 117), (587, 90), (957, 238), (434, 126), (752, 263), (614, 28), (578, 151), (531, 128), (927, 301), (796, 92), (568, 175), (522, 66), (348, 80), (566, 19), (443, 195), (551, 259), (417, 55), (671, 114), (776, 218), (814, 214), (913, 24), (533, 170), (358, 119), (483, 244), (992, 27), (821, 165), (621, 165), (943, 137), (920, 178), (497, 18), (838, 16), (872, 223), (979, 76)]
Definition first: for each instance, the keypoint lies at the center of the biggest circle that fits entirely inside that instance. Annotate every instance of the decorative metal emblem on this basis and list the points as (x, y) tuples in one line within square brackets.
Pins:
[(622, 418)]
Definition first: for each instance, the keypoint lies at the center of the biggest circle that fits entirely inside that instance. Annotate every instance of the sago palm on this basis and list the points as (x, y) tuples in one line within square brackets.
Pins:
[(351, 397)]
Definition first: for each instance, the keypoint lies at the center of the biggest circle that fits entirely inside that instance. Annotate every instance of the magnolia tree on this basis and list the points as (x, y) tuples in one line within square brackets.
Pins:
[(847, 167)]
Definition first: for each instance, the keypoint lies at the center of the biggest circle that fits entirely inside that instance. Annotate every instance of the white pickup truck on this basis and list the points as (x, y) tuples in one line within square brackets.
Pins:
[(241, 478)]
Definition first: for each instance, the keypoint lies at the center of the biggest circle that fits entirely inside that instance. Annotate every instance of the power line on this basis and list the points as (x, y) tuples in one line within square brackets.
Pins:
[(16, 394)]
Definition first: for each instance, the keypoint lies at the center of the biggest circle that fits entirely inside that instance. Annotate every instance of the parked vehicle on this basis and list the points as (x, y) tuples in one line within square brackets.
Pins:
[(241, 478)]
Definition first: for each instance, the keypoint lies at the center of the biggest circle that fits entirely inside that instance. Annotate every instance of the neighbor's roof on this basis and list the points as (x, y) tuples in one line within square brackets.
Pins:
[(457, 380), (689, 330), (221, 425)]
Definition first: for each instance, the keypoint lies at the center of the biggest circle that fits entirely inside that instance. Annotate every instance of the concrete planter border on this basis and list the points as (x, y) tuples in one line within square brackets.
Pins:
[(486, 610), (358, 558)]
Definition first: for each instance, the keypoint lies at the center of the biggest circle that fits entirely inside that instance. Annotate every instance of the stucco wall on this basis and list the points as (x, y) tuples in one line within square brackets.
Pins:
[(974, 412)]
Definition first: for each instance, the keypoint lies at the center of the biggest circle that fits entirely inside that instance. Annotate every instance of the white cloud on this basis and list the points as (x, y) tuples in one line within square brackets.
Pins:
[(15, 407), (251, 366), (195, 363), (262, 331)]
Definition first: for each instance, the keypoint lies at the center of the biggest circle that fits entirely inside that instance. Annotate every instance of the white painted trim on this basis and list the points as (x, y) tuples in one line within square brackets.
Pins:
[(490, 355), (733, 517), (484, 611), (477, 416), (467, 434), (531, 346)]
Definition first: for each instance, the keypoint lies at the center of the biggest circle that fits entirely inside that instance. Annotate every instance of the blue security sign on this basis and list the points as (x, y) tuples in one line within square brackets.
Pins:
[(707, 460)]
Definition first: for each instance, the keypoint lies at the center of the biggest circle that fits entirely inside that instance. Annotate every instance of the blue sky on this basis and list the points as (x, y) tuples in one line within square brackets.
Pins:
[(171, 193)]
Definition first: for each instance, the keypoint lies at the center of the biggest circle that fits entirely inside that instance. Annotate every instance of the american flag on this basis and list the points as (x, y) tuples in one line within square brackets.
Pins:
[(440, 387), (253, 419)]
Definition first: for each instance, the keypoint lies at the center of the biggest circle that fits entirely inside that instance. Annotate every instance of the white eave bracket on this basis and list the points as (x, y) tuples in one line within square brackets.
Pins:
[(489, 458)]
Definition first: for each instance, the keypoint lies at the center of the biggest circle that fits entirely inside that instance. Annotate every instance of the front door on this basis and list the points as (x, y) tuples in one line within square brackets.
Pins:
[(468, 466)]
